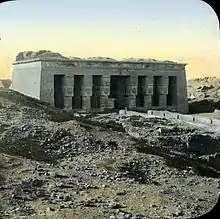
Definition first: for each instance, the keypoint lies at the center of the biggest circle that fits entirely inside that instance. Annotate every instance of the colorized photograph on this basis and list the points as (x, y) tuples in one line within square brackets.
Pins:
[(109, 109)]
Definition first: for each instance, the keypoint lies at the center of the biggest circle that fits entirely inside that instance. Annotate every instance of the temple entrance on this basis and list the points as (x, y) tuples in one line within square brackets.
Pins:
[(155, 97), (172, 91), (140, 94), (96, 91), (118, 90), (77, 98)]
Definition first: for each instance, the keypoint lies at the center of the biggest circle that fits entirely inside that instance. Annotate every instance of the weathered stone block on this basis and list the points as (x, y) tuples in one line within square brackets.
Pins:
[(105, 90), (111, 103), (163, 90), (148, 90), (68, 103), (148, 101), (103, 101), (163, 100), (69, 91), (69, 80), (134, 80), (149, 81), (131, 90), (131, 101), (87, 80), (106, 80), (86, 102), (86, 90)]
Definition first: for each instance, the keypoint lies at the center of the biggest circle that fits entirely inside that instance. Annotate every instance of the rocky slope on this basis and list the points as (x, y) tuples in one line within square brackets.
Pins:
[(205, 94), (5, 83), (56, 165)]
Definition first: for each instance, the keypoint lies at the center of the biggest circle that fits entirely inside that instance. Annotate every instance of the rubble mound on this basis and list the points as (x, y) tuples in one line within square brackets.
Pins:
[(99, 58), (21, 129), (15, 105), (165, 138), (39, 54), (56, 165), (139, 60), (27, 55), (204, 94), (6, 83)]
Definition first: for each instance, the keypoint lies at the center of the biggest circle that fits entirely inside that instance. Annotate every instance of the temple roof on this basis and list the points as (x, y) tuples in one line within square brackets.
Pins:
[(53, 56)]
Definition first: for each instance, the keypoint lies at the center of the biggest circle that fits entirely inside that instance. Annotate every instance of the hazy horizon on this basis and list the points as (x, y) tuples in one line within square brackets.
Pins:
[(185, 31)]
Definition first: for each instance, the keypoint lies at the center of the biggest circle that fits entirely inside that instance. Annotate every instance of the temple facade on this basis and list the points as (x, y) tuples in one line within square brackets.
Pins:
[(98, 84)]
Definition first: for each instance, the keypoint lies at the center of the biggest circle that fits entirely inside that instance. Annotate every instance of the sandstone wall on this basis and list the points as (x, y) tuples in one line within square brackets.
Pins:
[(26, 79)]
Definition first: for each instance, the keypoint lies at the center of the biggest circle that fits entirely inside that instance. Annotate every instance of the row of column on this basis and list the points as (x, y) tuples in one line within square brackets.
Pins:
[(154, 88), (162, 91), (86, 92), (132, 91)]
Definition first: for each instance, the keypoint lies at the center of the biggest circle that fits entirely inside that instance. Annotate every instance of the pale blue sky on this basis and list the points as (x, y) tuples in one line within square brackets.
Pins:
[(179, 29), (87, 10)]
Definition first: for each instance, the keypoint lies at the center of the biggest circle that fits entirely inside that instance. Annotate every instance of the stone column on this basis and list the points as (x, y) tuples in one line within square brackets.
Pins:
[(132, 84), (105, 92), (163, 91), (182, 101), (86, 103), (87, 92), (148, 92), (47, 87), (68, 91)]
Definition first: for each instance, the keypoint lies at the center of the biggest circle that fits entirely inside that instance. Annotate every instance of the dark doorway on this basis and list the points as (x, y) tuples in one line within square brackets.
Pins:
[(96, 91), (172, 91), (141, 87), (155, 97), (58, 91), (118, 90), (77, 99)]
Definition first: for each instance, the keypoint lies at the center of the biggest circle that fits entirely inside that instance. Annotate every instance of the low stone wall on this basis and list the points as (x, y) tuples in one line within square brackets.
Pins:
[(187, 118), (200, 121)]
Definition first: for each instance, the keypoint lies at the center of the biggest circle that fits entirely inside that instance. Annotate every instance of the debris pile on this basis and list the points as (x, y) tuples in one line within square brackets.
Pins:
[(54, 164)]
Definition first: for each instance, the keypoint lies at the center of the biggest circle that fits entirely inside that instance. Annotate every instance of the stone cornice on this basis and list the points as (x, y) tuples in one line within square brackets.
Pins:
[(98, 62)]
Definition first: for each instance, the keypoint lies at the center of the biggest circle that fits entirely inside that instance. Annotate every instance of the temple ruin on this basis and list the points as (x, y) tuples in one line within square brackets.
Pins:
[(98, 84)]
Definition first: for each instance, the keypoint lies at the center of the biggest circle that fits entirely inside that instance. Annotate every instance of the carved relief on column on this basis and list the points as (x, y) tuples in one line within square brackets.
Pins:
[(86, 92), (131, 101), (47, 87), (103, 101), (147, 101), (86, 102), (104, 91), (87, 86), (68, 90), (111, 103), (69, 86), (163, 91), (133, 85), (148, 92), (68, 103), (131, 91), (105, 85)]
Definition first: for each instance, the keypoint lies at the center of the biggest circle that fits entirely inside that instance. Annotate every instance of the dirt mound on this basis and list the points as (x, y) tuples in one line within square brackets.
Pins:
[(16, 104), (26, 127), (46, 142), (6, 82), (105, 166), (204, 94), (165, 138)]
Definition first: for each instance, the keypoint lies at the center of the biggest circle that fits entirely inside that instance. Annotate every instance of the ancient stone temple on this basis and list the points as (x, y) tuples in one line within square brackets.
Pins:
[(96, 84)]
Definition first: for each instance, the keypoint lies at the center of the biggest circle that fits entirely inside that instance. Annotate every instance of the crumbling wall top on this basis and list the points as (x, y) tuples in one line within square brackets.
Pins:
[(47, 55)]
